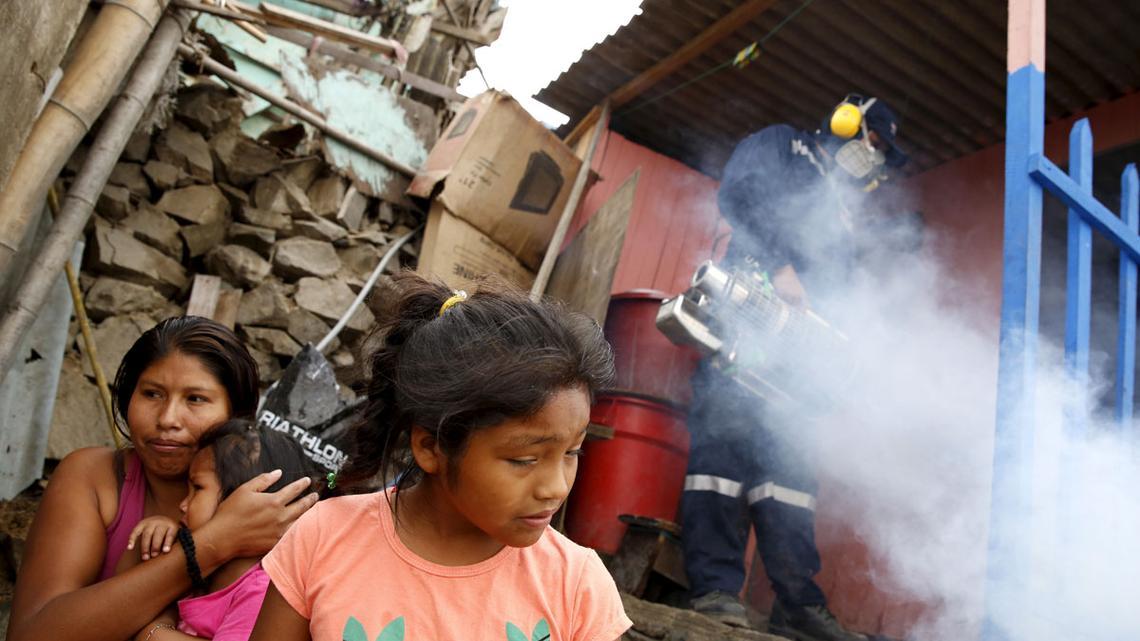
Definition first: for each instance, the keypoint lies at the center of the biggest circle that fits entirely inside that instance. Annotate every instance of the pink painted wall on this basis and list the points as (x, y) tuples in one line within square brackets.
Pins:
[(963, 200)]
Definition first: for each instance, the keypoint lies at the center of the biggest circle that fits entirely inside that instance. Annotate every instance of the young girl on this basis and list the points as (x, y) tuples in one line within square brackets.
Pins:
[(228, 456), (478, 408)]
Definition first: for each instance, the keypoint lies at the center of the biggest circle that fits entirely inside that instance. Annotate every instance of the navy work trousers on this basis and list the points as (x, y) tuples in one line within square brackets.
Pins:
[(745, 469)]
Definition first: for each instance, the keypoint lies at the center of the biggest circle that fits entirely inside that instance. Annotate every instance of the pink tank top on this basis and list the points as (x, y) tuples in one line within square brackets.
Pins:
[(132, 501)]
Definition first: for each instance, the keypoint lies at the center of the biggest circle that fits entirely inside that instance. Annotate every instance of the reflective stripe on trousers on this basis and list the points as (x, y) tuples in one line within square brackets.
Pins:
[(710, 483), (731, 488)]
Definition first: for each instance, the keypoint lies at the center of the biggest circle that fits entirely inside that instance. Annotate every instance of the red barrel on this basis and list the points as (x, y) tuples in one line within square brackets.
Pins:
[(641, 470), (647, 363)]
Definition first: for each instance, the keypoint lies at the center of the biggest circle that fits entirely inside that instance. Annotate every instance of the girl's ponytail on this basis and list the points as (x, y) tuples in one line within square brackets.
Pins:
[(407, 304), (462, 367)]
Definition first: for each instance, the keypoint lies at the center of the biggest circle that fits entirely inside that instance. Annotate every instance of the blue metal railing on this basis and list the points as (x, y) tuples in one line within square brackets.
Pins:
[(1028, 173)]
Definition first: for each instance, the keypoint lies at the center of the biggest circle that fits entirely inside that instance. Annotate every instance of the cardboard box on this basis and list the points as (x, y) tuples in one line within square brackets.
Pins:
[(458, 253), (500, 170)]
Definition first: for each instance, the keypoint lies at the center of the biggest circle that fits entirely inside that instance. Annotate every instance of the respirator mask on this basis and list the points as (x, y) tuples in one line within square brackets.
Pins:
[(859, 158)]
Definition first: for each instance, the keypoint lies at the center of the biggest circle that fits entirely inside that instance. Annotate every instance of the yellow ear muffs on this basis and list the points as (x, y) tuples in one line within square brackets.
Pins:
[(845, 120)]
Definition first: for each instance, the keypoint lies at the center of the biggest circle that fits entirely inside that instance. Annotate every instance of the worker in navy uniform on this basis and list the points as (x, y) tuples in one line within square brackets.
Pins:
[(788, 196)]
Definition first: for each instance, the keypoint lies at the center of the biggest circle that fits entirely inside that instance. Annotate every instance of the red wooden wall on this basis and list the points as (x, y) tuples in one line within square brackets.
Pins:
[(674, 219)]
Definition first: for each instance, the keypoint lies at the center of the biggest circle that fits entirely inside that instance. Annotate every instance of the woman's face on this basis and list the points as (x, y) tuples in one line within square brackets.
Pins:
[(175, 401)]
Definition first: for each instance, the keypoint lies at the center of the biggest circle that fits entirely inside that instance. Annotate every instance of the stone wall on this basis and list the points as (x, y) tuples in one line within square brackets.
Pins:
[(273, 221)]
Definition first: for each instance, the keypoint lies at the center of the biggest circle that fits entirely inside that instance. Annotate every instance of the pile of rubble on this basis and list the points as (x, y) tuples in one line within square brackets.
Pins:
[(292, 242)]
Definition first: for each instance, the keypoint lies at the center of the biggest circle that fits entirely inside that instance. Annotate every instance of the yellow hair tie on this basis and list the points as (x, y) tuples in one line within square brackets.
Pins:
[(458, 297)]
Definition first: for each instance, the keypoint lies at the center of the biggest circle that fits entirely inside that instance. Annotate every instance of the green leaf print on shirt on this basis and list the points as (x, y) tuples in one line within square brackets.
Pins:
[(541, 632), (354, 631)]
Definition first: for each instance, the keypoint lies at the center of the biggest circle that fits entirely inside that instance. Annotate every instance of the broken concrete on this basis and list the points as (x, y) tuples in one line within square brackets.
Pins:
[(306, 327), (138, 147), (187, 149), (163, 175), (330, 299), (264, 218), (110, 296), (197, 204), (114, 203), (113, 337), (268, 367), (269, 340), (360, 260), (320, 229), (202, 238), (303, 171), (238, 198), (78, 418), (207, 108), (265, 305), (116, 252), (302, 257), (326, 195), (241, 159), (351, 213), (130, 175), (276, 192), (259, 239), (154, 228), (238, 265)]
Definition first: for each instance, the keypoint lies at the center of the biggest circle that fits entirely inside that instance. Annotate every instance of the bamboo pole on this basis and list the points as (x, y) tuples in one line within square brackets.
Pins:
[(96, 71), (314, 119), (555, 246), (68, 226)]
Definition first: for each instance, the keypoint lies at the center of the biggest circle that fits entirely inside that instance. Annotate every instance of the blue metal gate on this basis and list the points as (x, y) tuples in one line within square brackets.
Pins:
[(1027, 173)]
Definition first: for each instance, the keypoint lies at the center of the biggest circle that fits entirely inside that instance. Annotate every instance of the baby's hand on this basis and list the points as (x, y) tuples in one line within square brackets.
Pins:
[(155, 535)]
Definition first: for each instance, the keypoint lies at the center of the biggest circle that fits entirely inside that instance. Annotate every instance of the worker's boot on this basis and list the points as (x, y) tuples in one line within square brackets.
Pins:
[(723, 607), (808, 623)]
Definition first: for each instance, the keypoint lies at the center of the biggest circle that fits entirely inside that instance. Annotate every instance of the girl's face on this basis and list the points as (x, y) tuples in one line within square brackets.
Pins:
[(175, 401), (205, 492), (514, 476)]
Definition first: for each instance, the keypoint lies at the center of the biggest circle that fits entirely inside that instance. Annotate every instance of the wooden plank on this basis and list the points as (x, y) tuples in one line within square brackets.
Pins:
[(584, 273), (287, 18), (703, 41), (226, 311), (347, 56), (462, 33), (204, 296)]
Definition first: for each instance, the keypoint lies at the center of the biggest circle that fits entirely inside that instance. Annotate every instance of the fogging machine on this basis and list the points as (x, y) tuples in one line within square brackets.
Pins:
[(783, 354)]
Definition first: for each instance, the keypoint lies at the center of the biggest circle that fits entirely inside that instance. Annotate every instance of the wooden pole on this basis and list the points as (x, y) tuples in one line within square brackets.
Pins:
[(96, 72), (555, 246), (88, 338), (232, 77), (68, 226)]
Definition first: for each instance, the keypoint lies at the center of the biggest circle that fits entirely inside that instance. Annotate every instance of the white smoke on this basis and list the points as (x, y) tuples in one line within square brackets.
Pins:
[(912, 458)]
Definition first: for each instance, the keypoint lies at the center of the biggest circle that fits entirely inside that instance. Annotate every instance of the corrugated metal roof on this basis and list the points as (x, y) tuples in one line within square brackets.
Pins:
[(940, 64)]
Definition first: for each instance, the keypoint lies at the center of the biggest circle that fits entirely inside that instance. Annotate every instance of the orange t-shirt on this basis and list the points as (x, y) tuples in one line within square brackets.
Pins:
[(342, 567)]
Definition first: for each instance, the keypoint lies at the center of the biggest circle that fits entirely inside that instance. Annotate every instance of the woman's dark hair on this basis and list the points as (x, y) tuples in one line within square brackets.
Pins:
[(495, 356), (212, 343), (242, 450)]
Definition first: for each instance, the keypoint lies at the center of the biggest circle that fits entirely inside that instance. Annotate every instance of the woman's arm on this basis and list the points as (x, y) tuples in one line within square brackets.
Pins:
[(56, 594), (278, 620)]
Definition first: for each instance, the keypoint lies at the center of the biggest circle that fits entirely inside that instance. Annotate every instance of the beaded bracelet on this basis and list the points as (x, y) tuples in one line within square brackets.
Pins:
[(195, 572), (156, 628)]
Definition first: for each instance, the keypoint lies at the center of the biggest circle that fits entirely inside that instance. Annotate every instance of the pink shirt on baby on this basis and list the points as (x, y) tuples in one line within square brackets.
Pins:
[(229, 613), (343, 567)]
